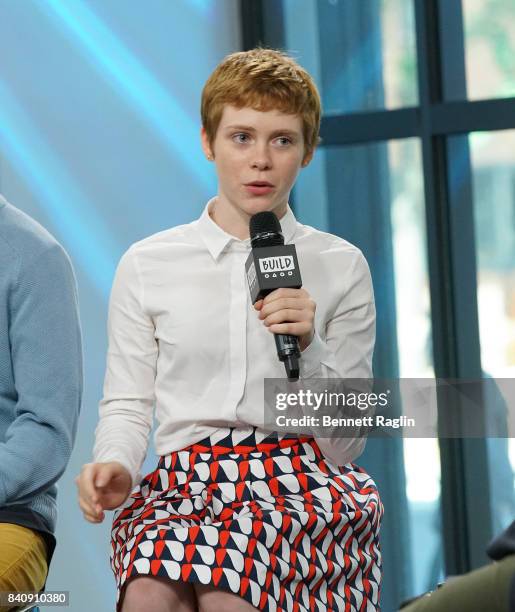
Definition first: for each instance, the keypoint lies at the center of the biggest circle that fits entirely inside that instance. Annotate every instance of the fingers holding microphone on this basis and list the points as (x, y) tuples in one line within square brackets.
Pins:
[(289, 311)]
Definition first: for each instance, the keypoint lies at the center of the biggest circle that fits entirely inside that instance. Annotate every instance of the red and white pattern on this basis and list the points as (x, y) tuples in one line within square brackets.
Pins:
[(266, 518)]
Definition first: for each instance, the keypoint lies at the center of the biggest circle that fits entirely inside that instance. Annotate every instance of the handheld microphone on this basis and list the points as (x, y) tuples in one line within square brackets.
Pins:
[(272, 265)]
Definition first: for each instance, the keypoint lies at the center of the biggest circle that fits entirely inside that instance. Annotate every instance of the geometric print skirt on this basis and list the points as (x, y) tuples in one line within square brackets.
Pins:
[(260, 515)]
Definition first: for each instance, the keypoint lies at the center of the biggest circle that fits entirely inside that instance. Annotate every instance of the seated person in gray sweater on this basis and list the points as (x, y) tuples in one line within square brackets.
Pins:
[(40, 394)]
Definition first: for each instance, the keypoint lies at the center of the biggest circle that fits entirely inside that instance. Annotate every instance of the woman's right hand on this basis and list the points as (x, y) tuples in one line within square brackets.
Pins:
[(102, 486)]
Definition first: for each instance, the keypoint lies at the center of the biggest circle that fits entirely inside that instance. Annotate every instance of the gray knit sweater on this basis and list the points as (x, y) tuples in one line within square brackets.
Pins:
[(40, 370)]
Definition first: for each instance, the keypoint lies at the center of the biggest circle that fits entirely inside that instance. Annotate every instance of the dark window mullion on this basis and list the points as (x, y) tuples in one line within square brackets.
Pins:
[(454, 513), (445, 119), (464, 117), (252, 24), (472, 467), (360, 128)]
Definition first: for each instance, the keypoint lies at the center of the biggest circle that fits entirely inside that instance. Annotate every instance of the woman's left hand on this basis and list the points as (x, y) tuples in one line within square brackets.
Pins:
[(289, 311)]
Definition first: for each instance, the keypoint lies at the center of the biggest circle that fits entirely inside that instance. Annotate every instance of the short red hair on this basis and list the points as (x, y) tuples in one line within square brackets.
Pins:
[(262, 79)]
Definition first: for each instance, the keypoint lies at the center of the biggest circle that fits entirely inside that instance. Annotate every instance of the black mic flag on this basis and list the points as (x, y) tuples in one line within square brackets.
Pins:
[(272, 265)]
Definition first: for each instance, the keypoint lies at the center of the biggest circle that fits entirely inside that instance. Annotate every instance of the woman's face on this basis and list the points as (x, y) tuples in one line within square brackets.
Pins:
[(262, 146)]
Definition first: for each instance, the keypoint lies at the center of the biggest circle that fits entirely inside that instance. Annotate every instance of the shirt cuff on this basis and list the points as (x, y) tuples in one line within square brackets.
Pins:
[(340, 451)]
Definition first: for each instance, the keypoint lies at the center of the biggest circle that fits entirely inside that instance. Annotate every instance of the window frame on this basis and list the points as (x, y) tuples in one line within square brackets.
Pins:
[(435, 121)]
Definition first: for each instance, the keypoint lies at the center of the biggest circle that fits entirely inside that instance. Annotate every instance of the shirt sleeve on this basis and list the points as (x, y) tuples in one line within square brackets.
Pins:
[(127, 405), (46, 357), (346, 351)]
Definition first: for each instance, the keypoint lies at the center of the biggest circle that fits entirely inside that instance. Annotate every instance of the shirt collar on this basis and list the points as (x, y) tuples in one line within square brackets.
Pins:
[(217, 239)]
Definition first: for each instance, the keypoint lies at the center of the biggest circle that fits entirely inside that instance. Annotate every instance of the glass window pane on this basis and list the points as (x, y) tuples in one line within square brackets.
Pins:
[(489, 48), (372, 195), (493, 168), (421, 456), (361, 52)]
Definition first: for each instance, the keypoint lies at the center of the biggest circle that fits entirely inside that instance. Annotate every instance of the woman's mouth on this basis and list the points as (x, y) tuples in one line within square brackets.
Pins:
[(259, 187)]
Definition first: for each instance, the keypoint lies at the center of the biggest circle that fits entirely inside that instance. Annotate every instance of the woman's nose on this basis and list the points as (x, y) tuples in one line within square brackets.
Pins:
[(261, 159)]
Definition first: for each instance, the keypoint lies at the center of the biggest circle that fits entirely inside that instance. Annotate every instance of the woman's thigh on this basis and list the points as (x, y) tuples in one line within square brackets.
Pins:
[(158, 594), (211, 599), (23, 559)]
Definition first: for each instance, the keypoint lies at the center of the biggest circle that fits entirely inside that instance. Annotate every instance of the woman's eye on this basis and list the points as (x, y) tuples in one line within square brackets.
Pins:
[(283, 139), (240, 137)]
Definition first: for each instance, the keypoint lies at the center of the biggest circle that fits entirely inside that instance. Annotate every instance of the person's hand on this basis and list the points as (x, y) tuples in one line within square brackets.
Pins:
[(102, 486), (289, 311)]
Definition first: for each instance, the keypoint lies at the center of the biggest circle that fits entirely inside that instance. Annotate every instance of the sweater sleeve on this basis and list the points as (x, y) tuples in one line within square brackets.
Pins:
[(46, 357), (346, 351), (126, 409)]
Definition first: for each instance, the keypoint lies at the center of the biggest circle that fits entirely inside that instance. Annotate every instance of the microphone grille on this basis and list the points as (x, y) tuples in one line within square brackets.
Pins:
[(264, 222)]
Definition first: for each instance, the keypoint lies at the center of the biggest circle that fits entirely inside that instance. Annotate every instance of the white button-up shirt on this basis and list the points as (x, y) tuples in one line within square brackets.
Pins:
[(185, 338)]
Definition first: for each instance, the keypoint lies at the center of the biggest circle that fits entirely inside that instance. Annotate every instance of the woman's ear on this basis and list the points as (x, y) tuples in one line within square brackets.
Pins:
[(307, 158), (206, 147)]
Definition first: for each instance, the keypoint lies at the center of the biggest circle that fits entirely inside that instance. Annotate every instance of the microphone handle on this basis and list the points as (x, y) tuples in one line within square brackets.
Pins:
[(288, 352)]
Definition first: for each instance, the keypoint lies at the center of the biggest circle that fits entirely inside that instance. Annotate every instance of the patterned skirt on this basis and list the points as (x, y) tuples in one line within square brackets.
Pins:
[(263, 517)]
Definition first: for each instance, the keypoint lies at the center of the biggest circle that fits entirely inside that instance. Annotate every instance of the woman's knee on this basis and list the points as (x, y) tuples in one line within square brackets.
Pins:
[(211, 599), (158, 593)]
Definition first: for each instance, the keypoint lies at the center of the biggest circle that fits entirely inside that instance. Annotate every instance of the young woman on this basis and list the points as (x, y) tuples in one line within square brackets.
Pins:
[(235, 517)]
